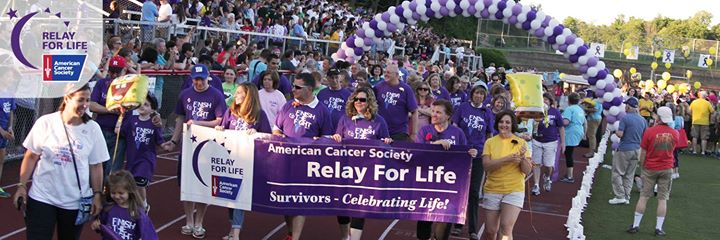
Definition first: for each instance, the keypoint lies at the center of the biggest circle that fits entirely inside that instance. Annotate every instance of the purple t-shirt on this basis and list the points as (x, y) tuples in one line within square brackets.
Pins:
[(214, 81), (335, 101), (118, 219), (106, 121), (394, 103), (284, 85), (201, 106), (550, 133), (304, 121), (363, 128), (428, 134), (458, 98), (476, 123), (142, 138), (441, 93), (230, 121)]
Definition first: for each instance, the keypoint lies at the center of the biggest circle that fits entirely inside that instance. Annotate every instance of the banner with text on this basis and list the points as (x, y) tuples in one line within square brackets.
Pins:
[(298, 176)]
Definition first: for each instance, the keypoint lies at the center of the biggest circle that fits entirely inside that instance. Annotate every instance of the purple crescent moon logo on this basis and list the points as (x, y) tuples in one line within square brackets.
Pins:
[(15, 40), (195, 158)]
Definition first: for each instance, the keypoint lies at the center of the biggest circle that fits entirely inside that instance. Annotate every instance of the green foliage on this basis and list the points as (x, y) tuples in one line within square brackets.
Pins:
[(493, 56), (454, 27)]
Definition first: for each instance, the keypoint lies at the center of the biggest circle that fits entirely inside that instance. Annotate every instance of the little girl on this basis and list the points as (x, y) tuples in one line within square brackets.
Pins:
[(124, 218)]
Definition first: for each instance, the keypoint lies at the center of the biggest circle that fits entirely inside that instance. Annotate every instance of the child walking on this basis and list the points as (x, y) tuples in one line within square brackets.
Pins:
[(142, 137), (124, 217)]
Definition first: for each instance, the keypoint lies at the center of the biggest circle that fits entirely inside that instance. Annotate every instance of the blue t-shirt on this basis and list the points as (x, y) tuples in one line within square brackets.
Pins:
[(255, 68), (149, 11), (633, 126), (8, 105), (574, 131), (598, 110), (679, 123)]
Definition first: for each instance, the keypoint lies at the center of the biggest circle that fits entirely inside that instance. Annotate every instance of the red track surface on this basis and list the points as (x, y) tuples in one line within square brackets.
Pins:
[(548, 214)]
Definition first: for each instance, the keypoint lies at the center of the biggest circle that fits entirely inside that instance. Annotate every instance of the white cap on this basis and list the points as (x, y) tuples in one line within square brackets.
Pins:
[(665, 115)]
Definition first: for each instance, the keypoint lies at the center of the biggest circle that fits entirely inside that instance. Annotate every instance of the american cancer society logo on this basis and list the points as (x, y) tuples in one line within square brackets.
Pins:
[(225, 176)]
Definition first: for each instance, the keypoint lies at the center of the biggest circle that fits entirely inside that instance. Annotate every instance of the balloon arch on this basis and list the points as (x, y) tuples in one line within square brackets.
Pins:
[(397, 18)]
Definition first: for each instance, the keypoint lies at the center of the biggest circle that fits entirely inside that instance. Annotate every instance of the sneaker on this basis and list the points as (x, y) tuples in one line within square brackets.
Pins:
[(474, 236), (659, 232), (4, 194), (456, 231), (535, 190), (616, 201), (186, 230), (547, 184), (633, 230), (567, 180), (589, 155)]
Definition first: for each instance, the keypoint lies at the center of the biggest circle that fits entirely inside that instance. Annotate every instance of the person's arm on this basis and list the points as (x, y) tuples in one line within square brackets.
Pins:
[(619, 133), (96, 178), (100, 109), (211, 123), (413, 124), (179, 120), (526, 165), (491, 165), (641, 158), (562, 138), (26, 169)]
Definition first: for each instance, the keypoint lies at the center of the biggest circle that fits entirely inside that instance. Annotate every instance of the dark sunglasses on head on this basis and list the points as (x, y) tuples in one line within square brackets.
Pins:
[(360, 99), (298, 87)]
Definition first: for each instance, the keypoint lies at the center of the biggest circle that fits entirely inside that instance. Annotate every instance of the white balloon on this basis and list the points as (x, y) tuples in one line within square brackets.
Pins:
[(526, 9), (579, 42), (424, 18), (548, 31), (465, 13), (366, 48), (407, 13), (359, 42), (493, 9), (369, 32), (377, 41), (609, 78), (405, 4), (560, 39), (616, 92), (382, 25), (464, 4), (540, 15), (600, 84), (622, 107), (435, 6), (614, 110), (605, 112), (585, 76), (421, 9), (507, 12), (334, 56), (349, 52), (592, 71), (412, 21), (522, 17), (616, 125), (479, 6), (614, 138), (400, 27), (450, 5), (582, 60), (518, 25), (600, 65), (566, 54), (394, 19), (553, 22), (611, 127), (535, 24), (576, 65), (505, 21), (608, 97)]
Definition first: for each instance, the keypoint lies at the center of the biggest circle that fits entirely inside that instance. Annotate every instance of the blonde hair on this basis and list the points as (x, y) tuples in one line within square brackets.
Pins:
[(249, 109), (372, 107)]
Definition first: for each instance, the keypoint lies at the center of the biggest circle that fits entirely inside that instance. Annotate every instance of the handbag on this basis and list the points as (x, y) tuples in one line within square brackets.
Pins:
[(85, 202)]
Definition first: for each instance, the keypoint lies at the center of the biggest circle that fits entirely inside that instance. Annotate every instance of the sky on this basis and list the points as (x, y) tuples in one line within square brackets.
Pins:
[(603, 12)]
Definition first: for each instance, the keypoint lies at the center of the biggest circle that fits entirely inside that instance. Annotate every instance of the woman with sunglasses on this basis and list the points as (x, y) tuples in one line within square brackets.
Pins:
[(360, 121), (424, 100)]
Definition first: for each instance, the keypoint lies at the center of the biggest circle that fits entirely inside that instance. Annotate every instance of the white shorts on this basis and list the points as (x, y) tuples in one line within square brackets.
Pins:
[(544, 153), (492, 201)]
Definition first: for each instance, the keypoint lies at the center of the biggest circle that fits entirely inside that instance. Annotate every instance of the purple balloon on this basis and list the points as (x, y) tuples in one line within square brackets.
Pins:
[(592, 81), (531, 15), (609, 87), (570, 39), (442, 2), (373, 24), (615, 145), (341, 54), (471, 10), (621, 115), (546, 21), (610, 118), (592, 61), (582, 50), (499, 15), (563, 48), (602, 74), (501, 5), (512, 20), (484, 13), (487, 3), (399, 11), (574, 59), (358, 51), (616, 101), (551, 39), (540, 32), (391, 27), (606, 105), (558, 30), (458, 9), (444, 11), (385, 17), (360, 33), (368, 41), (379, 34), (349, 43), (430, 13), (599, 92), (416, 16), (583, 68), (516, 9), (413, 6), (526, 25)]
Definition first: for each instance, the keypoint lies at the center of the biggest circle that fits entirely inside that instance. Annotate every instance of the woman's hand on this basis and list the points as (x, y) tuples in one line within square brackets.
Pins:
[(219, 128), (168, 146), (20, 193), (251, 131), (95, 225), (96, 205), (336, 137), (445, 143), (156, 120), (473, 152), (387, 140)]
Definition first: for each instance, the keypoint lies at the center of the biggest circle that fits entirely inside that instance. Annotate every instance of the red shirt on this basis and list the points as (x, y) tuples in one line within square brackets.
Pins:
[(231, 60), (659, 142)]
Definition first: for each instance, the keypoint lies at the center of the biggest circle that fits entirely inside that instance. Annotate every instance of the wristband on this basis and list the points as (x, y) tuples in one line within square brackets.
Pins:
[(22, 185), (97, 192), (173, 141)]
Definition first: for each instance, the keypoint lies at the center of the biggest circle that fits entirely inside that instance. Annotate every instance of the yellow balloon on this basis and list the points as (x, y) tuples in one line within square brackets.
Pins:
[(661, 84), (712, 51), (709, 62), (562, 75), (653, 65), (668, 65), (683, 88), (688, 73), (617, 73), (633, 70), (649, 84), (698, 85), (666, 76), (670, 88), (628, 45), (658, 54), (627, 52)]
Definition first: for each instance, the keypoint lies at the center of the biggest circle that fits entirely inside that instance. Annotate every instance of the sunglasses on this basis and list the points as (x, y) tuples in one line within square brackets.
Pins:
[(423, 89), (297, 87), (360, 99)]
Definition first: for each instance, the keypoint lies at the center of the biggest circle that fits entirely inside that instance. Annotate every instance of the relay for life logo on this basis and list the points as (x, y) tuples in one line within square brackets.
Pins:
[(53, 44)]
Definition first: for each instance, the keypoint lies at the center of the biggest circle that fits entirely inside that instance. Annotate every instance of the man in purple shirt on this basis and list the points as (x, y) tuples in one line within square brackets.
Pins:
[(334, 97), (204, 106), (302, 117), (274, 65), (396, 103)]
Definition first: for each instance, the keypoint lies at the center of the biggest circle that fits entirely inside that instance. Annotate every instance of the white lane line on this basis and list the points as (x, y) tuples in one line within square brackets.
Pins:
[(167, 158), (163, 227), (275, 230), (12, 233), (546, 213), (13, 185), (387, 230)]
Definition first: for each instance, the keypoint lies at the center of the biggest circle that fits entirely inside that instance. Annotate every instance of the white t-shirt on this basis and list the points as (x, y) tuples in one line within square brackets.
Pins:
[(54, 180), (164, 13), (271, 103)]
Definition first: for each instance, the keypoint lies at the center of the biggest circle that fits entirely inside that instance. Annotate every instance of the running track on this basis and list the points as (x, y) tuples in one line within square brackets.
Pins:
[(543, 217)]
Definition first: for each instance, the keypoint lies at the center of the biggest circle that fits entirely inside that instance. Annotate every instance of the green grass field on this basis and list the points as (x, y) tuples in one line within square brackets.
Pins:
[(693, 208)]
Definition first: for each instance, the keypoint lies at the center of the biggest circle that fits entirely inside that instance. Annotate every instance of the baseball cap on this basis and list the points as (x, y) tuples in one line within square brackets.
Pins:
[(118, 61), (589, 101), (632, 102), (199, 71), (481, 83), (333, 72), (665, 115)]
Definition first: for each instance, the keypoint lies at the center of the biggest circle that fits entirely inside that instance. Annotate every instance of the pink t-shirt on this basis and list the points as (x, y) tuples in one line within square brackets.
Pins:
[(271, 103)]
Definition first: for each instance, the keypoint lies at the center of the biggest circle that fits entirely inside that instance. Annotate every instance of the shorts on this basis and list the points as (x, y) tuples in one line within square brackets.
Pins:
[(492, 201), (544, 153), (701, 131), (662, 178), (141, 181)]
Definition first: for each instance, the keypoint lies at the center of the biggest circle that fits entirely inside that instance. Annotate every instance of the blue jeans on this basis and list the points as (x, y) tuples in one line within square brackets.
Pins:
[(237, 217), (118, 164)]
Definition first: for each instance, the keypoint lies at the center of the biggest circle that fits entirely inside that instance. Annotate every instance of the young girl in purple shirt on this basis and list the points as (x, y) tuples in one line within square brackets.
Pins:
[(125, 217)]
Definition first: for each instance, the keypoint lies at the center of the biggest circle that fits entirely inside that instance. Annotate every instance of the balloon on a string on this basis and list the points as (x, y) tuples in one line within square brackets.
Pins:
[(654, 65), (665, 76), (649, 84), (562, 75), (633, 70), (697, 85), (626, 52), (712, 51), (709, 61), (688, 73), (683, 88), (661, 84), (658, 54), (668, 65), (617, 73), (627, 45), (670, 88)]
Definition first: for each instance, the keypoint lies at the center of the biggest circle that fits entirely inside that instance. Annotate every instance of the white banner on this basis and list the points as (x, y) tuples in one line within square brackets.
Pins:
[(597, 49), (213, 169), (668, 56), (634, 53), (702, 61)]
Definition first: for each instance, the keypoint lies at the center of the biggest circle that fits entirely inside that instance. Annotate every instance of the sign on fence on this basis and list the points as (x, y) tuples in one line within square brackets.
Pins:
[(668, 56), (703, 61), (634, 53), (300, 176), (598, 49)]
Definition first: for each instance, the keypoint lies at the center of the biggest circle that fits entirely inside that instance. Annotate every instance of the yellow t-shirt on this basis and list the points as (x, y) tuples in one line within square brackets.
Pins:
[(647, 104), (700, 109), (508, 178)]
